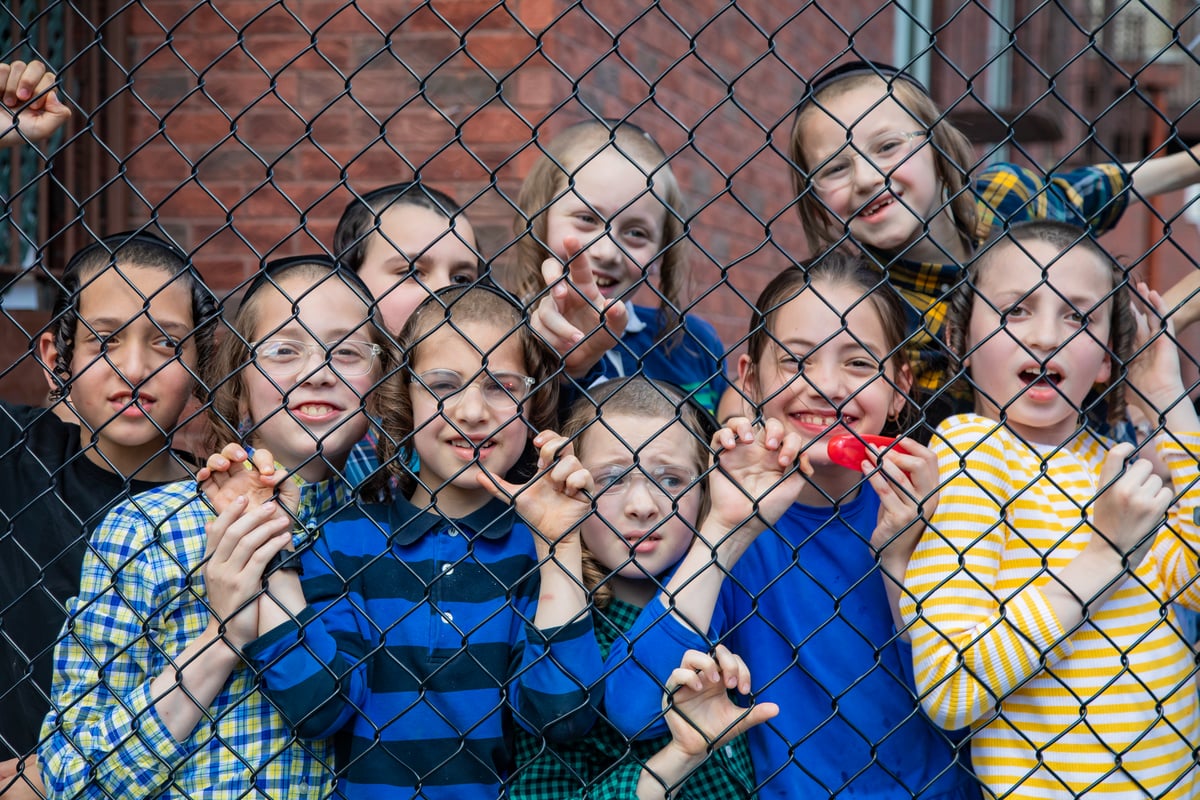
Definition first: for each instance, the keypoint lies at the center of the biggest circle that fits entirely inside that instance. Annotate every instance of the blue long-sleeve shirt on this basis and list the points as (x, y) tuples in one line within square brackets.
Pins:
[(418, 649), (807, 609)]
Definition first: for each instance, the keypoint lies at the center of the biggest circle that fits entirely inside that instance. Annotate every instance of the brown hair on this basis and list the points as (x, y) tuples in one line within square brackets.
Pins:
[(834, 268), (952, 157), (235, 353), (362, 218), (551, 178), (454, 306), (647, 399), (1062, 236)]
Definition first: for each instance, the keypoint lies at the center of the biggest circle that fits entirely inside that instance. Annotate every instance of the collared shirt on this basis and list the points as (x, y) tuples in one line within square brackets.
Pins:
[(418, 651), (605, 765), (141, 603), (694, 360)]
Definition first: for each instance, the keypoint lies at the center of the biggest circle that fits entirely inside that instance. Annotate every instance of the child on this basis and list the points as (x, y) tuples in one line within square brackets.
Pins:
[(131, 321), (810, 601), (150, 693), (418, 624), (600, 212), (647, 454), (877, 161), (1041, 595), (405, 241)]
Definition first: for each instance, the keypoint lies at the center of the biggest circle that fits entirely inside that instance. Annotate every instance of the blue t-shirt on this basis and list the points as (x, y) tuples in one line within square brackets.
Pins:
[(807, 609)]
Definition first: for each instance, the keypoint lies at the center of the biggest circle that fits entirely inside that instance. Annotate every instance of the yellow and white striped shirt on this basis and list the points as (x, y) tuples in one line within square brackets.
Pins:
[(1108, 708)]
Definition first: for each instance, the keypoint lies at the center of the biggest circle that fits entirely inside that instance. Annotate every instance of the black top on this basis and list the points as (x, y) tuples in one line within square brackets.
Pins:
[(51, 499)]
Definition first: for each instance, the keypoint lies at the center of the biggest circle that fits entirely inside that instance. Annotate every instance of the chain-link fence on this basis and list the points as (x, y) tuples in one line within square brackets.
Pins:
[(482, 277)]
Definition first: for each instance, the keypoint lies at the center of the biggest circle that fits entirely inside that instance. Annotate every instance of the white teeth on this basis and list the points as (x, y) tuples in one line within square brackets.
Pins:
[(315, 409), (813, 419), (876, 206)]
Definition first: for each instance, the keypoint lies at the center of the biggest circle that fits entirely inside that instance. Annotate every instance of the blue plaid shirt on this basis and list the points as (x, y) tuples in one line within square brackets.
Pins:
[(141, 602)]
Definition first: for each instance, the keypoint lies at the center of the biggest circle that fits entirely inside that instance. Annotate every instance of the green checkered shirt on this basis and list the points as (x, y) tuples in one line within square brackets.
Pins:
[(605, 766)]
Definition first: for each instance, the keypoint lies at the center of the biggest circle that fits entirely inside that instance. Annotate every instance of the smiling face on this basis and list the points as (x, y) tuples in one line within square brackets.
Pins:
[(454, 438), (821, 377), (415, 252), (1035, 346), (310, 409), (616, 220), (888, 209), (131, 366), (645, 519)]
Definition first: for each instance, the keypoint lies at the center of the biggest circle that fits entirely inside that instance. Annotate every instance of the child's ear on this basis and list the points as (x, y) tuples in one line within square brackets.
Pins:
[(747, 375), (1105, 368), (48, 355), (902, 393)]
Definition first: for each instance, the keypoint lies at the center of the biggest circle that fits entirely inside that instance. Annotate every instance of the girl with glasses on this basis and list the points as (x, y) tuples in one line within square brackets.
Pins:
[(648, 454)]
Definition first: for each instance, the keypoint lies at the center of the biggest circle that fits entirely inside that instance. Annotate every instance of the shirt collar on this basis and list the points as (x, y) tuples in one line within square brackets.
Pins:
[(322, 500), (409, 523), (634, 323)]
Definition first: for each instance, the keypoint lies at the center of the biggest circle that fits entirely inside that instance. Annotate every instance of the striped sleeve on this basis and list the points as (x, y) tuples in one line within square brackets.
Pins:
[(316, 668), (1177, 549), (972, 644)]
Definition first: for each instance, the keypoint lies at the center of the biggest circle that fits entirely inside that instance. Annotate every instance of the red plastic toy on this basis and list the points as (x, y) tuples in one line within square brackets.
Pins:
[(850, 451)]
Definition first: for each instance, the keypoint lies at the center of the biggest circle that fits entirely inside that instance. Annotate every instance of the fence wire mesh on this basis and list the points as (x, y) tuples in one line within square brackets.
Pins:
[(380, 453)]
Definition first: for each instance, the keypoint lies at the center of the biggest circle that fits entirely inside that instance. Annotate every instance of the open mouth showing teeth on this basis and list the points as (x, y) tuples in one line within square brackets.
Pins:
[(605, 282), (315, 409), (878, 206), (466, 444), (1032, 376), (820, 421)]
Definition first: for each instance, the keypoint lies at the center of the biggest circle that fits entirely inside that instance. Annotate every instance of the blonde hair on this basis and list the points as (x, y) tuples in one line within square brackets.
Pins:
[(551, 178), (952, 157)]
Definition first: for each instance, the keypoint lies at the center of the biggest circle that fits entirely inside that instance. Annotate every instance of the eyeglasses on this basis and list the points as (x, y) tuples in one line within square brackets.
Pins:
[(500, 389), (283, 358), (883, 152), (668, 481)]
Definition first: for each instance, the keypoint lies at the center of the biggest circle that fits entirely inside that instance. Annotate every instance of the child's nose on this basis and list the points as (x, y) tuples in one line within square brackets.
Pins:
[(867, 175), (470, 405), (826, 380), (641, 501), (604, 249), (134, 363), (1043, 333)]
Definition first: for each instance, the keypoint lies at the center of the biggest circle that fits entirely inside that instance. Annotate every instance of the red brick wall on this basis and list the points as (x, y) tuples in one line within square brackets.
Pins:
[(461, 98), (243, 127)]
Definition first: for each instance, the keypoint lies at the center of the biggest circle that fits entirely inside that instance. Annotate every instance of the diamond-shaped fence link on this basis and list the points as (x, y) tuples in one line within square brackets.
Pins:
[(543, 398)]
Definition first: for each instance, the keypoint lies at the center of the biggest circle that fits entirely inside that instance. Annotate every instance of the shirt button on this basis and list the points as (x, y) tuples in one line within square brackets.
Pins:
[(447, 569), (447, 617), (452, 531), (945, 288)]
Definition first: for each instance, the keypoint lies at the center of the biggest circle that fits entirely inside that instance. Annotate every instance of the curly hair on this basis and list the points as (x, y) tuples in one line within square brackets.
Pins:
[(135, 248), (235, 354), (953, 155), (551, 178), (1062, 237), (455, 306)]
